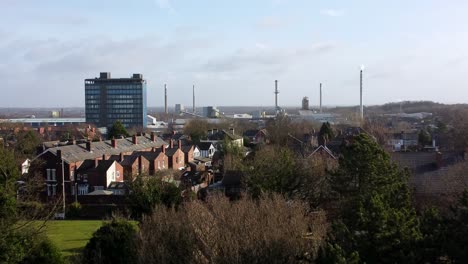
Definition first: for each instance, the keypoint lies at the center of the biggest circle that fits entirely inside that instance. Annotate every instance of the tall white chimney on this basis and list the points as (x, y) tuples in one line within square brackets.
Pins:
[(361, 106), (320, 97), (165, 98)]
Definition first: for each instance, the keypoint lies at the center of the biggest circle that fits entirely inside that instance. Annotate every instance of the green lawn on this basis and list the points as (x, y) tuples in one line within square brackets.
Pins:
[(71, 235)]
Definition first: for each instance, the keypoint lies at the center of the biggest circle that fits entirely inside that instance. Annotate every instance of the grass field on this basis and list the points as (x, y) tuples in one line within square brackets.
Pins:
[(71, 235)]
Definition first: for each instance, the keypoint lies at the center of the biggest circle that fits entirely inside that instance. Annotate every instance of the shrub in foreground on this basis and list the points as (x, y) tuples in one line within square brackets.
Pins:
[(114, 242), (268, 230)]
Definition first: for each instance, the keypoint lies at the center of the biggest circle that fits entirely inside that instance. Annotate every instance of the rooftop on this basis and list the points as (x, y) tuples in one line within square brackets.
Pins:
[(79, 152)]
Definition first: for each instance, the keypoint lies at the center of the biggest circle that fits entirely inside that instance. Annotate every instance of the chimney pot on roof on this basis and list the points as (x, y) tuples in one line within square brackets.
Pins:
[(121, 156), (179, 143), (172, 143), (232, 130), (153, 137), (103, 156), (59, 153), (89, 146), (174, 132), (134, 139), (163, 148), (114, 143)]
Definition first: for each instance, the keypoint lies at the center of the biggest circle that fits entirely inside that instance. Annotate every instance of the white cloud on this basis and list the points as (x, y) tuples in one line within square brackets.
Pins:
[(332, 12), (272, 22), (165, 4)]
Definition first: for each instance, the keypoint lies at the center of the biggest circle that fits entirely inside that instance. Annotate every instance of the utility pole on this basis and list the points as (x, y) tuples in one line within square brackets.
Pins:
[(63, 188)]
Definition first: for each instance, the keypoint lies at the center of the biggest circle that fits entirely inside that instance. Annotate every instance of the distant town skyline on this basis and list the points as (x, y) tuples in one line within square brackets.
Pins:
[(232, 51)]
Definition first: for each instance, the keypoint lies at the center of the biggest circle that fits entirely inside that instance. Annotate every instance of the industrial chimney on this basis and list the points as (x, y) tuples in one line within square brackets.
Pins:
[(165, 98), (361, 106), (193, 110), (320, 97), (276, 94)]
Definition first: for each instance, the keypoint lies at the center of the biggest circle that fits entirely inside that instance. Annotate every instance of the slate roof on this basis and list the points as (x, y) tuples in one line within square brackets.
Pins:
[(129, 160), (251, 133), (151, 155), (171, 151), (74, 153), (220, 135), (86, 165), (104, 165), (204, 145), (117, 185), (327, 150), (186, 149)]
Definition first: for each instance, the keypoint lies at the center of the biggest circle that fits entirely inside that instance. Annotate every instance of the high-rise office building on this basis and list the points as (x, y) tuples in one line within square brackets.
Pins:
[(110, 99)]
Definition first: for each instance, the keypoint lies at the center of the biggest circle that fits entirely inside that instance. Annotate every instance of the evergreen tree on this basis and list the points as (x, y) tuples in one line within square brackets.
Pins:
[(117, 130), (455, 241), (325, 134), (424, 138), (376, 219)]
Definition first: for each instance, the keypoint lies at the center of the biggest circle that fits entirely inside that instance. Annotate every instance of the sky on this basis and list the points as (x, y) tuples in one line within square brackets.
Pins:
[(232, 51)]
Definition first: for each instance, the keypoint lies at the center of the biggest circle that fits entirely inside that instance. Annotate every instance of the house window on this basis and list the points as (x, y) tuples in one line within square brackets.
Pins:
[(177, 160), (159, 165), (164, 164), (72, 175), (117, 174), (54, 189), (48, 175), (49, 192), (85, 177), (82, 189), (53, 175)]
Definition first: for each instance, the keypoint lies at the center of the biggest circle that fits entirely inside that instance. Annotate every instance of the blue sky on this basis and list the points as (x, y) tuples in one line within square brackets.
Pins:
[(234, 50)]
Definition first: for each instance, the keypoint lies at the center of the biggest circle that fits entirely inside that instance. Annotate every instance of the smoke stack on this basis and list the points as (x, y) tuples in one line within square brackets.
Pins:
[(193, 110), (320, 97), (114, 143), (276, 94), (153, 137), (165, 98), (361, 107), (135, 139)]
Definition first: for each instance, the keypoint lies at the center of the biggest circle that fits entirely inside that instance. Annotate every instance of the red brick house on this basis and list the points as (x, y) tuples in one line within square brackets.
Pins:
[(176, 156), (158, 160), (73, 156), (188, 153), (134, 165), (96, 175)]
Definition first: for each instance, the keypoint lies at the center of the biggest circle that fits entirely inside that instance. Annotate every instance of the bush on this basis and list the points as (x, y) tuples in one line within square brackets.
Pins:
[(114, 242), (268, 230), (74, 210), (44, 251)]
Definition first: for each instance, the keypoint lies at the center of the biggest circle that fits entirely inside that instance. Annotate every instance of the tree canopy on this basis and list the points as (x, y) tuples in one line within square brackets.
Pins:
[(117, 130), (375, 214)]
